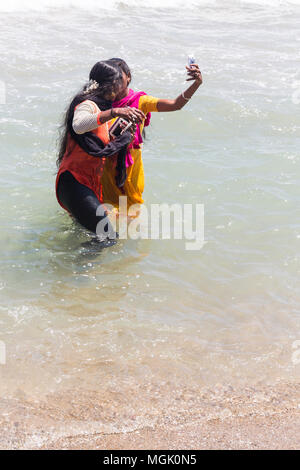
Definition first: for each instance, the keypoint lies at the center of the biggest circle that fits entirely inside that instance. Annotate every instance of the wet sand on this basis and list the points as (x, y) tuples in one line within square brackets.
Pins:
[(280, 432), (155, 417)]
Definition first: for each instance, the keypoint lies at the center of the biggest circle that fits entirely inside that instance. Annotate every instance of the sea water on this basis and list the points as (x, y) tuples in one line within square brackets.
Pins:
[(149, 311)]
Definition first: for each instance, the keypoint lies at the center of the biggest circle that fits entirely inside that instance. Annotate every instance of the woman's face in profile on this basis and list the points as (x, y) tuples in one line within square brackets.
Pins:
[(122, 87)]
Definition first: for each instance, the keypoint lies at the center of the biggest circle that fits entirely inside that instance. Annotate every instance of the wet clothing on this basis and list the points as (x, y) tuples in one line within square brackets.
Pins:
[(84, 161), (81, 202), (134, 184)]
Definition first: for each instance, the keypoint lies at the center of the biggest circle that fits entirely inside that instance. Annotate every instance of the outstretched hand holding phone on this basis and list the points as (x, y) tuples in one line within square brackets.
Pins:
[(194, 74), (193, 70)]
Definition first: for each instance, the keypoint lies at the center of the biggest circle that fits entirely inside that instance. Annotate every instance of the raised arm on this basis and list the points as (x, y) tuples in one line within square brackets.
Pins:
[(181, 100)]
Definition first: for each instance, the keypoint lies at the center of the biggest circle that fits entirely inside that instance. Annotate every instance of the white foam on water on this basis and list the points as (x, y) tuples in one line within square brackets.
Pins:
[(16, 5), (230, 310), (21, 5)]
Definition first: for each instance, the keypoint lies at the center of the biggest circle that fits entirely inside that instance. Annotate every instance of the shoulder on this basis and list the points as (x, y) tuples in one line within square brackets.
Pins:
[(147, 103), (88, 105)]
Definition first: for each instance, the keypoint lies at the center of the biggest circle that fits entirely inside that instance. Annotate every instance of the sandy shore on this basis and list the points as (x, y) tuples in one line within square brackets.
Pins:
[(155, 417), (280, 432)]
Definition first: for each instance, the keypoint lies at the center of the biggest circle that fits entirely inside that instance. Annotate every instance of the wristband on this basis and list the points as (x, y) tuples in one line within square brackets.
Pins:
[(186, 99)]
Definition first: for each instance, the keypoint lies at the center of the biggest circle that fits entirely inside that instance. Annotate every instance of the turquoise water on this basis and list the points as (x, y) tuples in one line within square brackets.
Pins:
[(149, 310)]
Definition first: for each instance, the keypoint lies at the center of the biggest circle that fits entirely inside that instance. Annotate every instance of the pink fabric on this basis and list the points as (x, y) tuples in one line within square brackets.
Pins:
[(132, 100)]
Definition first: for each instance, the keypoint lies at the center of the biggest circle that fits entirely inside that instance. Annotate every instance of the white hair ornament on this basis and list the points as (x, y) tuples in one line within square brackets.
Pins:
[(93, 85)]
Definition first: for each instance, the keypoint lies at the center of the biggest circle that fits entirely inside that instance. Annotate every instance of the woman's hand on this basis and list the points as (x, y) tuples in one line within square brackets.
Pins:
[(194, 73), (130, 114), (132, 130)]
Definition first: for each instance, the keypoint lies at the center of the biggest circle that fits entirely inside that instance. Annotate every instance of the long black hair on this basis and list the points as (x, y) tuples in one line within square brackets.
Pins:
[(105, 78)]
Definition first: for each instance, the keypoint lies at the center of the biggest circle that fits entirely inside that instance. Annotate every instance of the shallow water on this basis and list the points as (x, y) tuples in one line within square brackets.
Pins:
[(149, 310)]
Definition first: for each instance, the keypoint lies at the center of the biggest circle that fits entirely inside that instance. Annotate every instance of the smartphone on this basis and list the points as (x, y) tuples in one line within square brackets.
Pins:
[(119, 127), (191, 60)]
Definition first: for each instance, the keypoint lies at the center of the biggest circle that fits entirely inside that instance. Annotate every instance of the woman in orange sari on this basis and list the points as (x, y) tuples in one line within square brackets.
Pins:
[(85, 145)]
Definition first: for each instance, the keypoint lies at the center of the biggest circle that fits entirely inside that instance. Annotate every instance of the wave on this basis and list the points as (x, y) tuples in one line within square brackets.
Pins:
[(20, 5)]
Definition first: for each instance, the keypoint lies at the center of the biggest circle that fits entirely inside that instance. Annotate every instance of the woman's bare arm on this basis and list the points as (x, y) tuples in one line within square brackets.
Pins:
[(181, 100), (130, 114), (88, 117)]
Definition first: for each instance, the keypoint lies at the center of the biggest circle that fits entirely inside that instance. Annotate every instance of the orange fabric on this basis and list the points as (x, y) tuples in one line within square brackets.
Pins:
[(86, 169)]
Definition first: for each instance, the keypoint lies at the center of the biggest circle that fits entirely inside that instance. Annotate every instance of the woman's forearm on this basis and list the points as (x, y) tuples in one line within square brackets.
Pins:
[(180, 101), (107, 115), (128, 113)]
